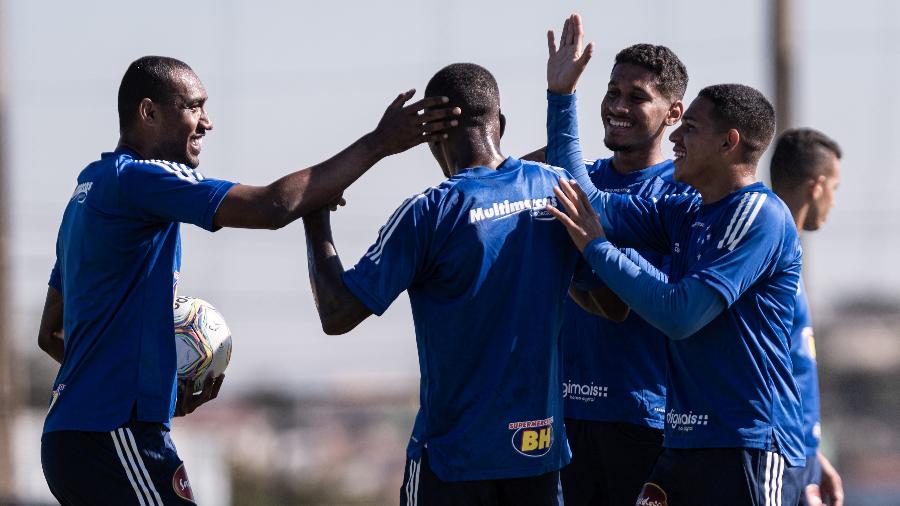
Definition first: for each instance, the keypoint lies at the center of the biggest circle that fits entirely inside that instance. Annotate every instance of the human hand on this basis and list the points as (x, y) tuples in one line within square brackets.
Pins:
[(188, 400), (337, 202), (402, 127), (565, 65), (580, 218), (832, 487)]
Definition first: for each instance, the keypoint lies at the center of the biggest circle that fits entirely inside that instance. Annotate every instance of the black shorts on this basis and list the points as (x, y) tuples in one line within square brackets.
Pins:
[(421, 487), (812, 475), (134, 464), (611, 461), (719, 476)]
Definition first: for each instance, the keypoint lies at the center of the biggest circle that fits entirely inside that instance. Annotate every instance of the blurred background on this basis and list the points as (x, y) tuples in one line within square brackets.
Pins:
[(305, 418)]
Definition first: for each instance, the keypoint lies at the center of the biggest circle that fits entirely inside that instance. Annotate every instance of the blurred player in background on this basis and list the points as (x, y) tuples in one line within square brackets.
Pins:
[(108, 313), (615, 372), (805, 171), (486, 269), (733, 427)]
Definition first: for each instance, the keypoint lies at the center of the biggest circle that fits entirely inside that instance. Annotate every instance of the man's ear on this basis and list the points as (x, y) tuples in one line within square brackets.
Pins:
[(147, 111), (502, 124), (816, 187), (676, 111), (731, 142)]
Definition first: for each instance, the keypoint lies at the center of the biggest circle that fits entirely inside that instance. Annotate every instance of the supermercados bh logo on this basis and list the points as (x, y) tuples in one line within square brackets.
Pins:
[(685, 422), (498, 210), (533, 438), (584, 392)]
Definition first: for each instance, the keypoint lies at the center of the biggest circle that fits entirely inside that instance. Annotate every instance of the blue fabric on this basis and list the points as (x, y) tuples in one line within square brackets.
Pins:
[(677, 309), (486, 268), (118, 255), (616, 372), (730, 384), (803, 357)]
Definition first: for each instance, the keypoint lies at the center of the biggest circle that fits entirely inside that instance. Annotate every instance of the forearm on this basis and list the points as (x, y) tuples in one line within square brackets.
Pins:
[(563, 143), (339, 310), (50, 334), (677, 309), (601, 301)]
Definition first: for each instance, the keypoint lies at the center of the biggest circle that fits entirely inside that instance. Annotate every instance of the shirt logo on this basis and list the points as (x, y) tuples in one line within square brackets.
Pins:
[(532, 438), (506, 208), (182, 485), (585, 393), (81, 191), (685, 422), (54, 396)]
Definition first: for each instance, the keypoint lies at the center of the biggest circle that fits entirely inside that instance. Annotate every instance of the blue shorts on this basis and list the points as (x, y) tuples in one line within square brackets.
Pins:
[(812, 475), (422, 487), (611, 461), (718, 476), (134, 464)]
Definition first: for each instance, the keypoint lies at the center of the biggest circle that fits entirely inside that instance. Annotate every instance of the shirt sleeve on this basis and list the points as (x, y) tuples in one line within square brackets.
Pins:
[(563, 143), (631, 221), (677, 309), (394, 262), (168, 191), (743, 249), (56, 277)]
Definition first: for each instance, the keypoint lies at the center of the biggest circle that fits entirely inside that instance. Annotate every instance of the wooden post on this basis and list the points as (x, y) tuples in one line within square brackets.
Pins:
[(783, 61)]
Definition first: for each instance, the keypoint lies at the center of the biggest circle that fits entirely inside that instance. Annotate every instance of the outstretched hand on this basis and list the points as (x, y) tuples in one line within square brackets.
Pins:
[(580, 218), (565, 65), (188, 400), (404, 126)]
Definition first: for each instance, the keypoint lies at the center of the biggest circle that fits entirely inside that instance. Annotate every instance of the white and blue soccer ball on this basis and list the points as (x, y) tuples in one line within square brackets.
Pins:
[(202, 341)]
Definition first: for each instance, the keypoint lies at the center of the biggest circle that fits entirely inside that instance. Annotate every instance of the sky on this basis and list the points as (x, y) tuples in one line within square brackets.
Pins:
[(292, 83)]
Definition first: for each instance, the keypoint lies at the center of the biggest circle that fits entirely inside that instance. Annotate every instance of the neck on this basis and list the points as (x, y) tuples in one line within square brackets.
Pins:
[(717, 187), (797, 205), (625, 162), (475, 148), (125, 142)]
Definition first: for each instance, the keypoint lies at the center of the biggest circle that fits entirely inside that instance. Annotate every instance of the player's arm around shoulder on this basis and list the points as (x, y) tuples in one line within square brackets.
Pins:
[(340, 311)]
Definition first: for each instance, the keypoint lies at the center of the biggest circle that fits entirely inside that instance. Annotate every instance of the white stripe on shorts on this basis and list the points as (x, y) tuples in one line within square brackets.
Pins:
[(128, 471), (137, 456)]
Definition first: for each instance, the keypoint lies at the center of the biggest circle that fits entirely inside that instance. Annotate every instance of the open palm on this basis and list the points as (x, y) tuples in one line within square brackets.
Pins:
[(565, 64)]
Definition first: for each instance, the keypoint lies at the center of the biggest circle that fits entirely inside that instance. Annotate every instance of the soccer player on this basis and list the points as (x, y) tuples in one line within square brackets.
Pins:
[(805, 171), (486, 269), (108, 313), (733, 430), (615, 372)]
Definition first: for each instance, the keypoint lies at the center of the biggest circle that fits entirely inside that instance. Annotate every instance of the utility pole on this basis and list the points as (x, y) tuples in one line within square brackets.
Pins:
[(7, 388), (783, 61)]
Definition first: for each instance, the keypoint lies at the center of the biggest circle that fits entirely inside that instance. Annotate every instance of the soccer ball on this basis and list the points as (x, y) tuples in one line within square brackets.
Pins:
[(202, 341)]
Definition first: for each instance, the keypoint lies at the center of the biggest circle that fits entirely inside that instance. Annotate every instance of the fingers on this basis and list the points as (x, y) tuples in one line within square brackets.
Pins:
[(217, 384), (563, 195), (586, 55), (551, 43), (564, 37), (577, 30), (437, 126), (584, 203), (561, 216), (402, 98), (426, 103), (436, 114)]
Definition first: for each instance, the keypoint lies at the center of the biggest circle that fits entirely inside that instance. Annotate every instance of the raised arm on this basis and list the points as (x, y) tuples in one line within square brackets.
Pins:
[(339, 310), (564, 67), (50, 333), (310, 189)]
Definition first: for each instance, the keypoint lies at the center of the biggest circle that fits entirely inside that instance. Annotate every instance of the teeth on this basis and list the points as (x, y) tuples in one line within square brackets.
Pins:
[(619, 123)]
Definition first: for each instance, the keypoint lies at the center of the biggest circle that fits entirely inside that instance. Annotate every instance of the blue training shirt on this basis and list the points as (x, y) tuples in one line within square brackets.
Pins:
[(803, 357), (118, 254), (616, 372), (487, 269), (730, 384)]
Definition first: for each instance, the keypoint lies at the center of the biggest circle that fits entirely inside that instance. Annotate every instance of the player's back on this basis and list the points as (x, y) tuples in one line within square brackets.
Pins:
[(487, 275)]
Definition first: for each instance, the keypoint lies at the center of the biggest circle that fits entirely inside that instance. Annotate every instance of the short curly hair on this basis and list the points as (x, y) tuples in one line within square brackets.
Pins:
[(746, 110), (469, 86), (671, 74)]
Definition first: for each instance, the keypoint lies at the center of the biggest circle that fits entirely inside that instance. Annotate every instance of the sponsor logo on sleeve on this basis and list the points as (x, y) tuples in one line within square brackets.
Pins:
[(182, 485), (81, 192), (532, 438), (685, 422)]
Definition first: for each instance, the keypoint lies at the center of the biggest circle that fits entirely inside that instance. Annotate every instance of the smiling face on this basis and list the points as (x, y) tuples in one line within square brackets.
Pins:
[(696, 143), (635, 113), (183, 121)]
